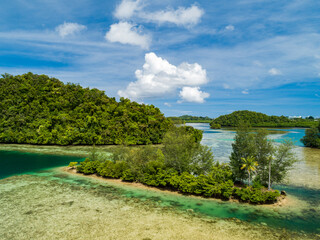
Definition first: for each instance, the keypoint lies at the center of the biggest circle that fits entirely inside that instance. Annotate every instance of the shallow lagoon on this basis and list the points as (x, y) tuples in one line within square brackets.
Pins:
[(25, 203)]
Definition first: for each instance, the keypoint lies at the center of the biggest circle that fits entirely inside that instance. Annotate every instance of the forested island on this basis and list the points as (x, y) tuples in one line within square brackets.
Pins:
[(256, 119), (190, 119), (36, 109)]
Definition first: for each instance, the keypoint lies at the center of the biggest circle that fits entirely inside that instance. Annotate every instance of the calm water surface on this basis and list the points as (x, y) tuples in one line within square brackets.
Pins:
[(16, 163)]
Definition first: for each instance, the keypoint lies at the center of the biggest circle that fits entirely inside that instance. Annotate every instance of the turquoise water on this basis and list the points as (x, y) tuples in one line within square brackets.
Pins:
[(305, 217), (15, 163), (294, 134)]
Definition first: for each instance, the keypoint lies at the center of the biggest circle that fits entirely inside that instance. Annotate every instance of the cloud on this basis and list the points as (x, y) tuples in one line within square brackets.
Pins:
[(192, 94), (181, 17), (66, 29), (159, 78), (230, 28), (245, 91), (167, 104), (274, 72), (127, 9), (127, 33)]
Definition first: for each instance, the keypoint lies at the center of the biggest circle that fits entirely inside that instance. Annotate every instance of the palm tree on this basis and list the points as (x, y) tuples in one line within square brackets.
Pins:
[(250, 165)]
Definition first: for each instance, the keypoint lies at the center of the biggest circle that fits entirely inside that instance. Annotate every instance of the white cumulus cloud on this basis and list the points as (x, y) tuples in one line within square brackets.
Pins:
[(245, 91), (193, 94), (158, 78), (66, 29), (230, 27), (274, 72), (127, 33), (182, 16), (127, 9)]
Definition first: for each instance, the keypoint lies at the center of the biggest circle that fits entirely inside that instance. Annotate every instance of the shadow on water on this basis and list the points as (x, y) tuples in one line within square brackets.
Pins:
[(15, 163)]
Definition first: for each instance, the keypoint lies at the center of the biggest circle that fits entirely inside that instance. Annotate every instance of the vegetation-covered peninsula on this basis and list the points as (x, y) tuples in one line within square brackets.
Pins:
[(183, 164), (256, 119), (36, 109)]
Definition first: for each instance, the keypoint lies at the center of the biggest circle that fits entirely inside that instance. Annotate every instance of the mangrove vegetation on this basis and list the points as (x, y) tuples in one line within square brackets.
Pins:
[(312, 137), (182, 164)]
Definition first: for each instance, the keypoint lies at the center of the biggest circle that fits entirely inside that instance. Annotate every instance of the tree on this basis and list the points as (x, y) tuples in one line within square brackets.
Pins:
[(36, 109), (202, 160), (312, 137), (282, 162), (184, 153), (274, 161), (243, 147), (263, 150), (215, 125), (250, 165)]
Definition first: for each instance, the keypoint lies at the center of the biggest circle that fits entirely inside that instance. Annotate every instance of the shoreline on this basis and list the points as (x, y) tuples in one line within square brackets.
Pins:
[(282, 201), (70, 150)]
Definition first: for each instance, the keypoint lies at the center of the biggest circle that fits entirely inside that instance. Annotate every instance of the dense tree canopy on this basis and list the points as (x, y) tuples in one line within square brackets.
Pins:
[(312, 137), (37, 109), (273, 161), (256, 119), (181, 164)]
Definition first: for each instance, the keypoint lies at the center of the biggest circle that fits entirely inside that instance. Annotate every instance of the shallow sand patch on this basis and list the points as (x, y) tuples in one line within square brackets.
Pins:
[(49, 209)]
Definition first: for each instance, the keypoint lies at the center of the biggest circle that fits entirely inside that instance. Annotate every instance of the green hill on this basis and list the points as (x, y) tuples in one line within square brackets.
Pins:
[(36, 109), (256, 119)]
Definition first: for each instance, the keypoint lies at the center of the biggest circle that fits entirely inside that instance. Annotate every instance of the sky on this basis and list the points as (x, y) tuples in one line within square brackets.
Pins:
[(201, 58)]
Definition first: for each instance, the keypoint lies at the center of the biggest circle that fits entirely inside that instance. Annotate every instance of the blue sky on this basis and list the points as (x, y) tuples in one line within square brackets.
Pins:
[(203, 58)]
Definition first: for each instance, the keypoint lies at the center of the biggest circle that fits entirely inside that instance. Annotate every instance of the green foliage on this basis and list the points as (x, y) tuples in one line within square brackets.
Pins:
[(256, 119), (183, 152), (182, 164), (249, 164), (190, 119), (242, 147), (312, 137), (73, 165), (110, 169), (36, 109), (88, 167), (263, 150), (176, 120), (256, 195), (214, 125), (274, 162), (283, 160)]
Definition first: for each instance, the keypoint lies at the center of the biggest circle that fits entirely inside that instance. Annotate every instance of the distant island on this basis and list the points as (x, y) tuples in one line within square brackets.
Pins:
[(190, 119), (37, 109), (256, 119)]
